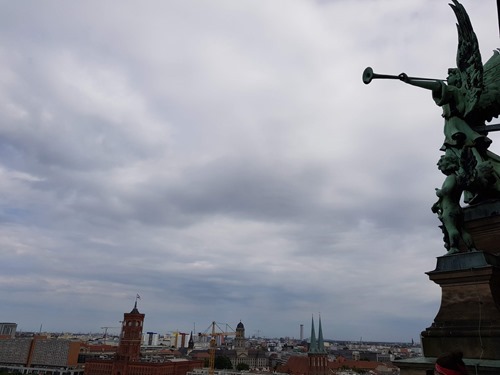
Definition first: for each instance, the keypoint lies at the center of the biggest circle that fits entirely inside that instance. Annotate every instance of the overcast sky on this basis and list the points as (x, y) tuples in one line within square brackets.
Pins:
[(223, 160)]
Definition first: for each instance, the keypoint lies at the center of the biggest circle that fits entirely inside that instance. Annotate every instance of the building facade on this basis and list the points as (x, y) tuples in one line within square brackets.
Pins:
[(8, 330), (150, 339), (254, 358), (40, 354)]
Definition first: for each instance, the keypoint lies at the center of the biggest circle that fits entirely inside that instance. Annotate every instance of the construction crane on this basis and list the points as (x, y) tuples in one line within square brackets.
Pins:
[(106, 332), (215, 336)]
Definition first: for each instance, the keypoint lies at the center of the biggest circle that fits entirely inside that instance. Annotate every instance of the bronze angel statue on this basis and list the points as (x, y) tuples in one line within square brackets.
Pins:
[(470, 97)]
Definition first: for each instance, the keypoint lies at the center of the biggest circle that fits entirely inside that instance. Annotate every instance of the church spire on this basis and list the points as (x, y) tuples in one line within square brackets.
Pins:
[(313, 346), (191, 341), (321, 343), (317, 356)]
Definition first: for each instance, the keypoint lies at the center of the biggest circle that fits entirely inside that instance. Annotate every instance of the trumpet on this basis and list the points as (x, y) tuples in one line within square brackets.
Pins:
[(368, 75)]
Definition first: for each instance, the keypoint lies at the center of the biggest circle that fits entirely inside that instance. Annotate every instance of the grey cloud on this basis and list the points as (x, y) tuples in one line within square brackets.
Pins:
[(224, 161)]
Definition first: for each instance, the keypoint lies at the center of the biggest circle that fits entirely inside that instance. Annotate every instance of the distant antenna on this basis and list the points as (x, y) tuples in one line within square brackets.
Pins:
[(40, 328)]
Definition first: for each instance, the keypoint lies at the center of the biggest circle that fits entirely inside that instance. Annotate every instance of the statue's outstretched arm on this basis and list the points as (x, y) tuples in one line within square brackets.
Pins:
[(423, 83)]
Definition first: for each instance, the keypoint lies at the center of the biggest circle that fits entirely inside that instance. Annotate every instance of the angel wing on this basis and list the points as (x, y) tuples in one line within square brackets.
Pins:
[(468, 58), (488, 105)]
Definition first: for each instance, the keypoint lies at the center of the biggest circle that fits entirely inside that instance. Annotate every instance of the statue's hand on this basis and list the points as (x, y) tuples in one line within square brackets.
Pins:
[(436, 207), (404, 77)]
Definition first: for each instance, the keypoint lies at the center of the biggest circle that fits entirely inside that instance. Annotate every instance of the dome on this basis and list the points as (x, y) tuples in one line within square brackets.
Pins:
[(240, 326)]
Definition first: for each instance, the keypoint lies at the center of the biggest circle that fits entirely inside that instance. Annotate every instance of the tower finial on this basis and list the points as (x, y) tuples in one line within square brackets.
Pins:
[(134, 310)]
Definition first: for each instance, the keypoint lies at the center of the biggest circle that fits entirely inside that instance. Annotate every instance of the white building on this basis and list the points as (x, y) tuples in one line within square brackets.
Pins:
[(150, 339)]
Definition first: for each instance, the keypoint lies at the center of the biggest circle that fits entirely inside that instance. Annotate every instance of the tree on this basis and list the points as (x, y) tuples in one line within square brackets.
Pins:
[(222, 362), (242, 367)]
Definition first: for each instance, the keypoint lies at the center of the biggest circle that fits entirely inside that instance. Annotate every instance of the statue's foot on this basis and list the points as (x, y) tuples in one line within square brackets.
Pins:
[(453, 250)]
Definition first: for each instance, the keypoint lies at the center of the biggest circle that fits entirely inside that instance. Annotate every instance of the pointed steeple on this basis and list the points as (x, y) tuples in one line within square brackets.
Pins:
[(191, 341), (134, 310), (317, 356), (321, 343), (313, 346)]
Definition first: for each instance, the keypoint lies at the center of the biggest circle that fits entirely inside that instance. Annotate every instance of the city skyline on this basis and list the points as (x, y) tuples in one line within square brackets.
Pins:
[(225, 161)]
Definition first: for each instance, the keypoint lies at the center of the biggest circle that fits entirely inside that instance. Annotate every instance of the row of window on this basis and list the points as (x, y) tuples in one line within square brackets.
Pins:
[(132, 323)]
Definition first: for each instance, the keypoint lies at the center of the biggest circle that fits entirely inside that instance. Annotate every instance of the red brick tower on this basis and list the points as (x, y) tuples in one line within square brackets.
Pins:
[(128, 356), (129, 349)]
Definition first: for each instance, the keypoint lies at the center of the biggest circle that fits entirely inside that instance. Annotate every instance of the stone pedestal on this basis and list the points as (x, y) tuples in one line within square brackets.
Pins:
[(469, 315), (425, 366), (482, 221)]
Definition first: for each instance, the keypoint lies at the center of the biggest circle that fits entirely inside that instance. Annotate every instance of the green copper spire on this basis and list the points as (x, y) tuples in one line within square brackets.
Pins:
[(313, 346), (321, 343)]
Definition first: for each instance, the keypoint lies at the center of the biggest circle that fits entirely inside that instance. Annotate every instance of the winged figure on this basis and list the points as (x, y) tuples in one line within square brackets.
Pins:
[(470, 97)]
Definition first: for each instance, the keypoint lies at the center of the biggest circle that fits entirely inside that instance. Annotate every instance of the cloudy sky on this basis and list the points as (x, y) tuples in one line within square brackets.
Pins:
[(224, 160)]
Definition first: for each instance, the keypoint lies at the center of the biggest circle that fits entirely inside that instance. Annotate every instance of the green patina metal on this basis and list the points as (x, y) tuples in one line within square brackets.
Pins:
[(469, 97)]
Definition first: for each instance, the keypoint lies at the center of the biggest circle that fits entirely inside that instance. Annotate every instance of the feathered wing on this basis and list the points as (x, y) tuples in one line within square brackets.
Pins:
[(468, 58), (488, 105)]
